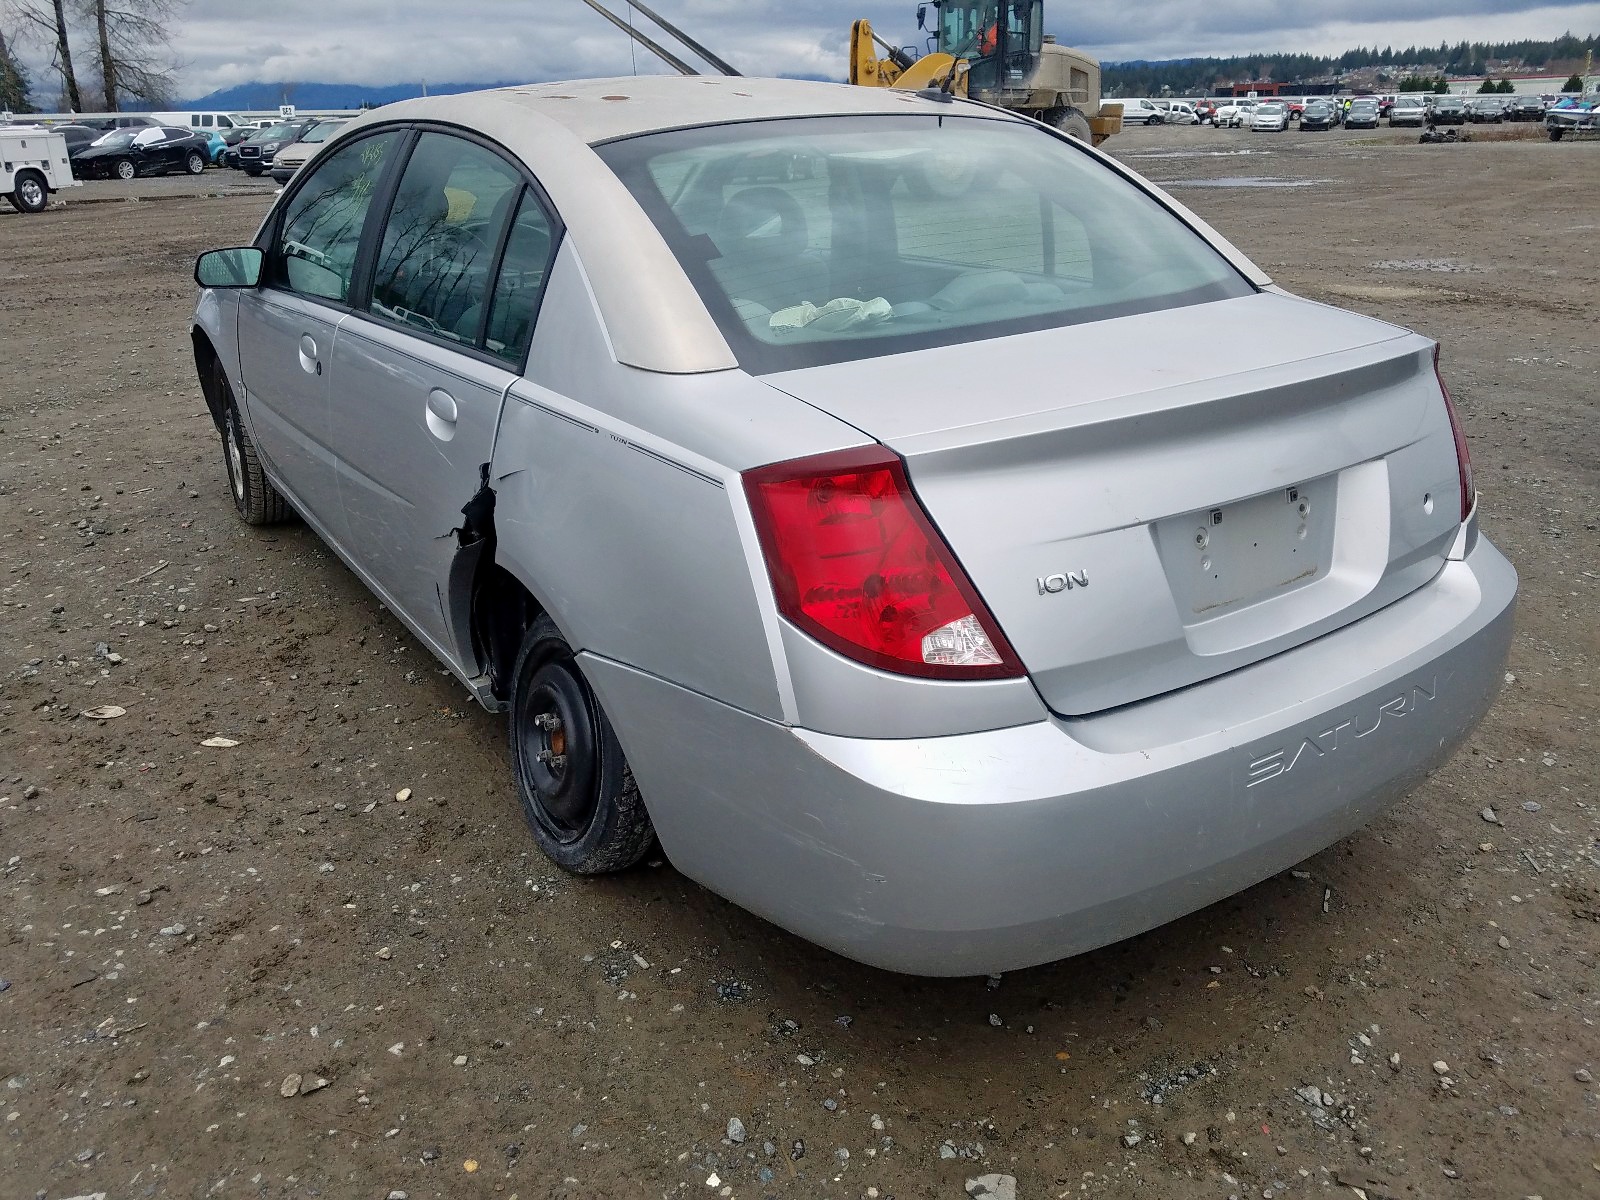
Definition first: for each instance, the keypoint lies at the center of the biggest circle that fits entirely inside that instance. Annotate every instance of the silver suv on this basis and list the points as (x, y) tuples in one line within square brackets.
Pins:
[(945, 543)]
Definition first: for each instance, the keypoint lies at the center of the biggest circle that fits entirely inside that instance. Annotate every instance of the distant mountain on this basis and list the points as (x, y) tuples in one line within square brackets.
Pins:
[(253, 97), (258, 97)]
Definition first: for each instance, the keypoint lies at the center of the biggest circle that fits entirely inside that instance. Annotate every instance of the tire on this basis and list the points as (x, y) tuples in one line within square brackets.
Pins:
[(32, 194), (577, 792), (195, 164), (1072, 123), (257, 501), (253, 172), (125, 168), (1555, 133)]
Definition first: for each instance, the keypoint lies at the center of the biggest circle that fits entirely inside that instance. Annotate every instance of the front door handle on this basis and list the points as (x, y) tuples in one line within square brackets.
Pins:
[(309, 362), (441, 414)]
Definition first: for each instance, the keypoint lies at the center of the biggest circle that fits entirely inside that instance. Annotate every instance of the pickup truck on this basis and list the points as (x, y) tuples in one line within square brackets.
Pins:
[(33, 163)]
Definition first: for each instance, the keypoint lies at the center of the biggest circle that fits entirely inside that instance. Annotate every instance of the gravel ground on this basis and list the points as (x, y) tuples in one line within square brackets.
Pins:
[(322, 959)]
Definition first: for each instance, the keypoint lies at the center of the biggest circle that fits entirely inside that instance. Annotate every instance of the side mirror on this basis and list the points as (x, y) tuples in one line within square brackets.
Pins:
[(236, 268), (922, 16)]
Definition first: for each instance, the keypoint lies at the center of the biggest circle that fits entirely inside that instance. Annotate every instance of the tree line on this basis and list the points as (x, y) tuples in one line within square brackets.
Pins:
[(124, 52), (1201, 75)]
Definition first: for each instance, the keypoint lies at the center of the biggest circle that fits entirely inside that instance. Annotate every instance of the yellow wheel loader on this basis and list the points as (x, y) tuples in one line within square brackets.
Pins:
[(995, 51)]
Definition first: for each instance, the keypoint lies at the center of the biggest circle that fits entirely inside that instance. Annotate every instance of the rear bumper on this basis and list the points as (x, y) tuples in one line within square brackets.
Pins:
[(999, 850)]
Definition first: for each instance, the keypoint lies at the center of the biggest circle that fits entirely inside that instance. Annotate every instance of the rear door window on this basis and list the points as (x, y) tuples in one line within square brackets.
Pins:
[(435, 265)]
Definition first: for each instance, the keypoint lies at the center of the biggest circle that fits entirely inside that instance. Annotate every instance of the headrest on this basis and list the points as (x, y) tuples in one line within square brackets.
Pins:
[(761, 222)]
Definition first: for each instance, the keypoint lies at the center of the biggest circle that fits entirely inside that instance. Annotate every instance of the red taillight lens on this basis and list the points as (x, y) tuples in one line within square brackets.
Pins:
[(1463, 459), (856, 564)]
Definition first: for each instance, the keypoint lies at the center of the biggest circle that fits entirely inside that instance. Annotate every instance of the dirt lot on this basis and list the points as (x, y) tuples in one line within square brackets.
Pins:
[(347, 896)]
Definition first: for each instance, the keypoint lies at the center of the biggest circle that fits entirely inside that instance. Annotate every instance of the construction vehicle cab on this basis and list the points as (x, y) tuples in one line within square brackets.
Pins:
[(995, 51)]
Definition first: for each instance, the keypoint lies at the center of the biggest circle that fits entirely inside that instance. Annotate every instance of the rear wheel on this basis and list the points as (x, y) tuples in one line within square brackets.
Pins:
[(31, 194), (578, 795), (126, 169), (195, 163)]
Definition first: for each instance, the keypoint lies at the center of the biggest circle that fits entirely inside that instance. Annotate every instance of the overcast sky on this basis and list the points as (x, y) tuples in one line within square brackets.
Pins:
[(376, 42)]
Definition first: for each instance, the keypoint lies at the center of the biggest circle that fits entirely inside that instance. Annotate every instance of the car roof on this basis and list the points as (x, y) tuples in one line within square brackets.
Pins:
[(599, 110), (653, 316)]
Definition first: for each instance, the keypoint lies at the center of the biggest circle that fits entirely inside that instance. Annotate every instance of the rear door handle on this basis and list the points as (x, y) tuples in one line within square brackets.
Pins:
[(309, 362), (441, 415)]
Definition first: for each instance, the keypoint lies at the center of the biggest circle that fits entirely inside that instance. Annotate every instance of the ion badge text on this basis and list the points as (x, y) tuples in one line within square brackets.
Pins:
[(1344, 735), (1062, 581)]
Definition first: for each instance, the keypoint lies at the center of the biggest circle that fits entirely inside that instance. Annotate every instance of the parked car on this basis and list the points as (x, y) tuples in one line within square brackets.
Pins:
[(750, 573), (1179, 113), (1142, 112), (77, 136), (106, 124), (1447, 110), (1269, 118), (1485, 110), (1525, 108), (256, 152), (1362, 113), (1235, 114), (154, 150), (1318, 114), (1408, 110), (216, 145), (1206, 110), (289, 158), (1296, 106)]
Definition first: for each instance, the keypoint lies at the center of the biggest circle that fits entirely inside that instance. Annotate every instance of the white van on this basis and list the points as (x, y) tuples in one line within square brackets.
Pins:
[(219, 121), (33, 163), (1142, 112)]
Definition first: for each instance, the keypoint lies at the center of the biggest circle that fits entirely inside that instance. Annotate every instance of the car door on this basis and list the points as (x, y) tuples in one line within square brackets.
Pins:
[(173, 148), (419, 376), (286, 326), (144, 150)]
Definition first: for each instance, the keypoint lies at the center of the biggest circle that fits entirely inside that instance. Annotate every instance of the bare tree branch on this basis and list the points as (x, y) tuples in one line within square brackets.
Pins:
[(133, 41), (47, 19)]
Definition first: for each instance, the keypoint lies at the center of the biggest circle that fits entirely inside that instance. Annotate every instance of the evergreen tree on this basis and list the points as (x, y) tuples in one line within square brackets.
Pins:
[(13, 80)]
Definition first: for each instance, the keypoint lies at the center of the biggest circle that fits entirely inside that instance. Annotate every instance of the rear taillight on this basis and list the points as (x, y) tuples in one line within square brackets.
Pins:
[(1463, 458), (856, 564)]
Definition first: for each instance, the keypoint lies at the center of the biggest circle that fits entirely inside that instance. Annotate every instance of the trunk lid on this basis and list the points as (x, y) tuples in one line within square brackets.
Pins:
[(1155, 500)]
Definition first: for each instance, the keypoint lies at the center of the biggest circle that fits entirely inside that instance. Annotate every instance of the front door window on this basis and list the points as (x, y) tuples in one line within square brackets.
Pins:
[(315, 252)]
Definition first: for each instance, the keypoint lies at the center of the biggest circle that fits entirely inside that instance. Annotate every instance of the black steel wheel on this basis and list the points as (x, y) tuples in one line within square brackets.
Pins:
[(577, 793)]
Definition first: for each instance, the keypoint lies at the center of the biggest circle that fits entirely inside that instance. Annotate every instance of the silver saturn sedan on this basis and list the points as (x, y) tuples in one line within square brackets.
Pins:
[(942, 541)]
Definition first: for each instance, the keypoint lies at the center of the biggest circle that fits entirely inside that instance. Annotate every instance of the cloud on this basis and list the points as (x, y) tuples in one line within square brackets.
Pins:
[(377, 42)]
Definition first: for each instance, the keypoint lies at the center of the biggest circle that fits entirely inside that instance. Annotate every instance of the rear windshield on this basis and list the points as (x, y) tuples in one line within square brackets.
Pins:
[(826, 239)]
